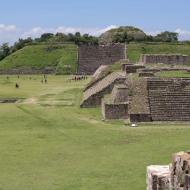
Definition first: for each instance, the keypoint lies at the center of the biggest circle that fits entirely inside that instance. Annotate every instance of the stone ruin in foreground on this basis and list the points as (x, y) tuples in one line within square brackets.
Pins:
[(175, 176), (141, 99)]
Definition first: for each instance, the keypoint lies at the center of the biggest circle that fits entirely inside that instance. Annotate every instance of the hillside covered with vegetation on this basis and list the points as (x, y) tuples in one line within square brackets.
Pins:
[(59, 51), (62, 58)]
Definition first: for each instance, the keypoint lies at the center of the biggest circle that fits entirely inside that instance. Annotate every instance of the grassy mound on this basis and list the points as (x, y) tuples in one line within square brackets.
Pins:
[(63, 58), (131, 32), (136, 49)]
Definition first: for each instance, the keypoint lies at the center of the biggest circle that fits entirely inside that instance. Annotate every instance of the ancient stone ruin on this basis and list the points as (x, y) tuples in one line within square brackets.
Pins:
[(134, 92), (158, 178), (164, 58), (141, 98), (175, 176), (169, 99), (93, 95), (116, 106), (91, 57), (131, 68)]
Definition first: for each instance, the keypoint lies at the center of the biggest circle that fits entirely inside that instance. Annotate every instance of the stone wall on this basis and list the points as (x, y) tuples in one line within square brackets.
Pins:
[(90, 57), (115, 111), (141, 117), (180, 171), (169, 99), (164, 58), (27, 71), (139, 109), (146, 74), (131, 68), (120, 93), (158, 178), (175, 176)]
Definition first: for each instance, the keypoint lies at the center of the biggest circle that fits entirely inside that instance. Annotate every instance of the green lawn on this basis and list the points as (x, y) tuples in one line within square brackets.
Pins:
[(48, 143)]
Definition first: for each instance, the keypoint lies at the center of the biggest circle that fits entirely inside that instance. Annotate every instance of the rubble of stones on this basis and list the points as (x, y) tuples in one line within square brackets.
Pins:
[(175, 176)]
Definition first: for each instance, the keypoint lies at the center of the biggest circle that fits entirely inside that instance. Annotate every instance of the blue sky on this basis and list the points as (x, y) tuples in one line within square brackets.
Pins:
[(22, 18)]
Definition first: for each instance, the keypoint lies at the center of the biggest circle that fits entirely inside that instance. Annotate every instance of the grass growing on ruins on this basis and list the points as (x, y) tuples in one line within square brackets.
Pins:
[(174, 74), (48, 143), (134, 50)]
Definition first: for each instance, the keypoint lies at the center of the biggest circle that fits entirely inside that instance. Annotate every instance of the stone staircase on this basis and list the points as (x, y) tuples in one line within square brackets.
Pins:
[(93, 95), (169, 99)]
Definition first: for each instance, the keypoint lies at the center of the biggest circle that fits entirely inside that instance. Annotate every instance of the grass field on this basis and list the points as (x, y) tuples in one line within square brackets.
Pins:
[(48, 143)]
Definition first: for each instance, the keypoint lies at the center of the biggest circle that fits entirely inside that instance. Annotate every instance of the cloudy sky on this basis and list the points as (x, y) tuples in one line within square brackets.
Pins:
[(21, 18)]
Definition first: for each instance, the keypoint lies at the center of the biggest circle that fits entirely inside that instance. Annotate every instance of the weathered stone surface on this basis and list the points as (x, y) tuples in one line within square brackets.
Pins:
[(139, 109), (120, 93), (176, 176), (100, 73), (91, 57), (164, 58), (141, 117), (146, 74), (169, 99), (94, 95), (158, 178), (180, 171), (112, 111), (131, 68)]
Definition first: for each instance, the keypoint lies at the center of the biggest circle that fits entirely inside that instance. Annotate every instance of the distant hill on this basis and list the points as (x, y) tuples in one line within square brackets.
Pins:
[(132, 33), (61, 57)]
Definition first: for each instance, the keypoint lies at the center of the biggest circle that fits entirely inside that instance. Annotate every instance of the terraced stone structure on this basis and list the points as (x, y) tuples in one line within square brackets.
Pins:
[(90, 57), (142, 99), (116, 106), (139, 109), (164, 58), (93, 95), (169, 99)]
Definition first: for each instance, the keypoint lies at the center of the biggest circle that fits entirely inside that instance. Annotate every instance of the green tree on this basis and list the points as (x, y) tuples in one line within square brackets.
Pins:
[(167, 37), (4, 50), (46, 37)]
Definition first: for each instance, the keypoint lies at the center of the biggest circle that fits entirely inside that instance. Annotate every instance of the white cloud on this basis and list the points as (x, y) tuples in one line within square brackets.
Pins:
[(153, 33), (100, 31), (7, 28), (183, 34), (8, 33), (34, 32), (37, 31)]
